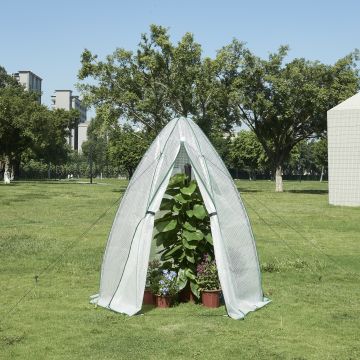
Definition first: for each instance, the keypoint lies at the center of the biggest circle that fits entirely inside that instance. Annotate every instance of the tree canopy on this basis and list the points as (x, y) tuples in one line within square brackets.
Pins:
[(157, 82), (247, 153), (285, 103), (27, 126)]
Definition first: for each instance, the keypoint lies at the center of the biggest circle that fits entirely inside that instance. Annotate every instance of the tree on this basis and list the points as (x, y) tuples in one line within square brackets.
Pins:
[(156, 83), (126, 147), (300, 160), (320, 155), (96, 147), (247, 153), (27, 126), (285, 103)]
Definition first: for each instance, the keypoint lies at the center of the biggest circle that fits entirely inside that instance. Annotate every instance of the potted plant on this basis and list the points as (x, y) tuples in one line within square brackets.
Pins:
[(209, 283), (165, 288), (183, 233), (153, 274)]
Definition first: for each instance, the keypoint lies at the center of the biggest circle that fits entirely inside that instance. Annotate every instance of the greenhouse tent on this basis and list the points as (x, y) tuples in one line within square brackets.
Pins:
[(126, 257)]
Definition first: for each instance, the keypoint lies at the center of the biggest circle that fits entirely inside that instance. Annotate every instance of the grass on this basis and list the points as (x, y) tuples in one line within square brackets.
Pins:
[(310, 260)]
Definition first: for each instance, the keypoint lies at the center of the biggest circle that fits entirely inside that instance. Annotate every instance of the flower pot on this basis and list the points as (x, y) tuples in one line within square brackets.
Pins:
[(163, 301), (148, 297), (210, 298)]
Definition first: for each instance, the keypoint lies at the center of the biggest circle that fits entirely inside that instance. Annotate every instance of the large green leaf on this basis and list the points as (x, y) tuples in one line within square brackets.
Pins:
[(189, 190), (209, 239), (166, 204), (187, 245), (166, 239), (195, 288), (179, 198), (169, 254), (176, 208), (182, 279), (163, 215), (199, 211), (177, 180), (190, 274), (190, 258), (168, 225), (188, 226), (193, 235)]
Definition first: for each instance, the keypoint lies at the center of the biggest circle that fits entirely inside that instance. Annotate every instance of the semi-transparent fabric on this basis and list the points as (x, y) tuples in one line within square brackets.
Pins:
[(127, 253)]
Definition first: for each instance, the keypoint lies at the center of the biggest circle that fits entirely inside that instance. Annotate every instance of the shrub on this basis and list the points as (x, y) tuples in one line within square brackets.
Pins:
[(207, 275), (165, 284)]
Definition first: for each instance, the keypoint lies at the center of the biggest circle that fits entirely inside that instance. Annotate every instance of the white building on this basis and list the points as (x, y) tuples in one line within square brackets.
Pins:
[(63, 99), (30, 81), (343, 122), (82, 134)]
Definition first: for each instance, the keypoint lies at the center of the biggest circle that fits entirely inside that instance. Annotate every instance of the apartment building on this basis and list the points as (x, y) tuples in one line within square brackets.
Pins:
[(64, 99), (30, 81)]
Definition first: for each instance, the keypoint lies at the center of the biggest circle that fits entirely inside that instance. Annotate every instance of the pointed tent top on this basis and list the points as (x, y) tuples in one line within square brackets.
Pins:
[(352, 103)]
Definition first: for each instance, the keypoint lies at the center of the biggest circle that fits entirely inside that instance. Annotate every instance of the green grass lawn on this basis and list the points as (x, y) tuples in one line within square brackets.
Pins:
[(309, 253)]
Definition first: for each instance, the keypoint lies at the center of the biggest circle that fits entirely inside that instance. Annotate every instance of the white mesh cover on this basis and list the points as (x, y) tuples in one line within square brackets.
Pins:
[(127, 253)]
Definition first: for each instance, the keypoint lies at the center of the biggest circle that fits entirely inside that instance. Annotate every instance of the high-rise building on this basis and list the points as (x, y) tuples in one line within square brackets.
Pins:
[(30, 81), (64, 99)]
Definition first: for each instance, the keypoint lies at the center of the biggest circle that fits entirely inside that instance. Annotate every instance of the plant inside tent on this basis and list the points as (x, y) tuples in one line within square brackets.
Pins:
[(183, 230)]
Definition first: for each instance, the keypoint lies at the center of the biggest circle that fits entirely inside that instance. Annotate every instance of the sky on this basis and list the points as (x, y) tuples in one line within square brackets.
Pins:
[(48, 37)]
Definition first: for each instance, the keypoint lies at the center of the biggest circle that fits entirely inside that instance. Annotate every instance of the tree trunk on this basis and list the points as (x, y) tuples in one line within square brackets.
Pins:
[(322, 174), (7, 174), (278, 179)]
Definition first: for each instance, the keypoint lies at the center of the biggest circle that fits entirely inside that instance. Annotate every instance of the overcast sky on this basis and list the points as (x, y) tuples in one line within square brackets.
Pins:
[(48, 37)]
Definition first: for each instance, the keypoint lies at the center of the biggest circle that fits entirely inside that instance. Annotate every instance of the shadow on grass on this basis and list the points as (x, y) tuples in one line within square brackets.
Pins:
[(26, 197), (314, 192), (149, 310), (248, 190), (120, 190), (52, 182)]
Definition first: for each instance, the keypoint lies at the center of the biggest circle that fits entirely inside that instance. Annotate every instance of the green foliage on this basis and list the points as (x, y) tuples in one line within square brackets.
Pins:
[(126, 147), (285, 103), (183, 230), (308, 158), (159, 81), (95, 149), (153, 275), (165, 283), (247, 153), (30, 129), (320, 153), (207, 274)]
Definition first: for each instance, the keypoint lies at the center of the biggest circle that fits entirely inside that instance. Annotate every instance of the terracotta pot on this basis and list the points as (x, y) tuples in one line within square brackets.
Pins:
[(210, 298), (148, 297), (163, 301)]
